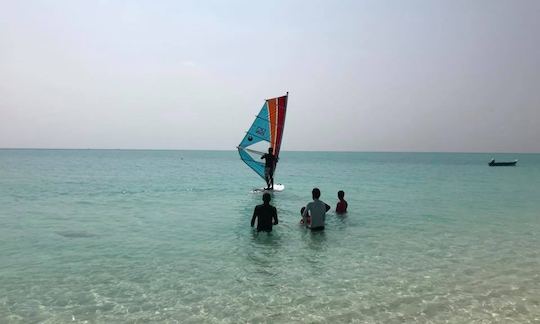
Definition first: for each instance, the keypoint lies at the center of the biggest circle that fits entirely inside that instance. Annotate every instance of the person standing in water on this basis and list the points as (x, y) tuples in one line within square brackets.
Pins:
[(265, 214), (269, 167), (341, 206), (316, 210)]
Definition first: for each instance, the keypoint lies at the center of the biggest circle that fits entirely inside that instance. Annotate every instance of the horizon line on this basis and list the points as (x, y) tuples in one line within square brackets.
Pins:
[(232, 150)]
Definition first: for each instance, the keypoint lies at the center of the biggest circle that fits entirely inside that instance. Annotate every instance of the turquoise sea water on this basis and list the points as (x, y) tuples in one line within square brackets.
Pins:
[(107, 236)]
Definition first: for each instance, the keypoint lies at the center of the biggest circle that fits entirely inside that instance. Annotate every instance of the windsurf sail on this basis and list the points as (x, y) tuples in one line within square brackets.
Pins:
[(266, 131)]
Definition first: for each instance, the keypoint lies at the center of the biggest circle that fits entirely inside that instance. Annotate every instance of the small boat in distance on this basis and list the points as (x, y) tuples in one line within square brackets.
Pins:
[(493, 163)]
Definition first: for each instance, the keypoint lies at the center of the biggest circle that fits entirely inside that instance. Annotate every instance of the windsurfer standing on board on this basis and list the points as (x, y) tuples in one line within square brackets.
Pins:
[(269, 167)]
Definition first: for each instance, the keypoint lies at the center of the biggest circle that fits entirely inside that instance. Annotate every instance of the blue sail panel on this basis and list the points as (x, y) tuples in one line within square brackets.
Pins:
[(259, 130), (256, 166)]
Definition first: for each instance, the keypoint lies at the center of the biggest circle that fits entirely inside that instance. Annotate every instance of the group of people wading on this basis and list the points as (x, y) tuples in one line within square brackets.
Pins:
[(313, 214)]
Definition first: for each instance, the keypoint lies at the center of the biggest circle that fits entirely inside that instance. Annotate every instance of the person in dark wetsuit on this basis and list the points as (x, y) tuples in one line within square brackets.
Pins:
[(266, 215), (269, 167)]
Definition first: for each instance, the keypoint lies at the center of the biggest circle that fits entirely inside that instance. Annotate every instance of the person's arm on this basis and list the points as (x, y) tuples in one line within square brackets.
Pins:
[(263, 156), (254, 217), (275, 217), (327, 207)]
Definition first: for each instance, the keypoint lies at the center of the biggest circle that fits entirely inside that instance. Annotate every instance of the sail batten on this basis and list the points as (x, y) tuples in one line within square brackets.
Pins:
[(266, 120), (266, 130)]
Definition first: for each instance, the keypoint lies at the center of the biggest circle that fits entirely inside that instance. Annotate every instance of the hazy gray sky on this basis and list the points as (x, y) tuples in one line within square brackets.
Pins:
[(362, 75)]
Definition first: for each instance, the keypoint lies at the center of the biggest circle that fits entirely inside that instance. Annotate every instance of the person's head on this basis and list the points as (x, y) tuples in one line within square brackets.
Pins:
[(341, 194), (270, 150), (302, 210), (316, 193), (267, 198)]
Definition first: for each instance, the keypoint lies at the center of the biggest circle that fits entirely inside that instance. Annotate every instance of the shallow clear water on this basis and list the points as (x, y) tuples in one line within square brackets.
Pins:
[(163, 236)]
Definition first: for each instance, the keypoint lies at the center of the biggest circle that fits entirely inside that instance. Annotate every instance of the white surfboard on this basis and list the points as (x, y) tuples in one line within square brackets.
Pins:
[(278, 187)]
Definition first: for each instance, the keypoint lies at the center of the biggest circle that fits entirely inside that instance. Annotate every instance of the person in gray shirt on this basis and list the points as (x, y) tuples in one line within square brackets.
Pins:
[(316, 210)]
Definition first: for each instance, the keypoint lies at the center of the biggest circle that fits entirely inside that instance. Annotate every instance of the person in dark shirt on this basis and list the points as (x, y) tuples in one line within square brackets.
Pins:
[(342, 205), (269, 167), (265, 214)]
